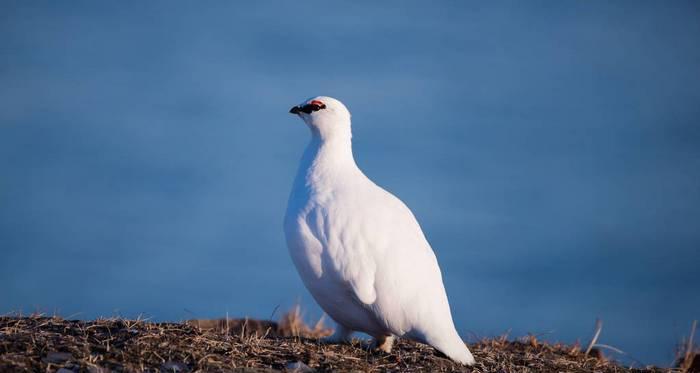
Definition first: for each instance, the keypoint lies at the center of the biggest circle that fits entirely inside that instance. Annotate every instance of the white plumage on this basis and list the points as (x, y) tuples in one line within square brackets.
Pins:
[(358, 249)]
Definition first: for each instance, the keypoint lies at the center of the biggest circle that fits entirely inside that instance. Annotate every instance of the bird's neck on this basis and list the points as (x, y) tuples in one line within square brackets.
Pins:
[(326, 162)]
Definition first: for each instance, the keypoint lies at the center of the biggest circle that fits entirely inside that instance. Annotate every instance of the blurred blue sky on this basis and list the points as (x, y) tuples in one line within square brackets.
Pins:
[(550, 150)]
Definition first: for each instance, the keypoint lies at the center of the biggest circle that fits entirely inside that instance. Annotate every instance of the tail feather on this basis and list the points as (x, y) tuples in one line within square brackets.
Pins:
[(454, 347)]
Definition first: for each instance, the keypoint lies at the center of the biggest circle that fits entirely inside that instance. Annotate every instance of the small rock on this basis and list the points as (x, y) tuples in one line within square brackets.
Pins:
[(298, 367), (174, 366), (57, 357), (96, 369)]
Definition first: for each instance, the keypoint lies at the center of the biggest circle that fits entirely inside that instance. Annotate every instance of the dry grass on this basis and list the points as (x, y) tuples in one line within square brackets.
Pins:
[(688, 356), (36, 343)]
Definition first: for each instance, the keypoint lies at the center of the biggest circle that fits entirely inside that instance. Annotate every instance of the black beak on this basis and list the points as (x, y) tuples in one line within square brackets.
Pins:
[(295, 110)]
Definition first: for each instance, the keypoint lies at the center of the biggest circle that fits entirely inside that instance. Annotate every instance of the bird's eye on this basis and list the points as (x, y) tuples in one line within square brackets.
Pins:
[(312, 106), (318, 103)]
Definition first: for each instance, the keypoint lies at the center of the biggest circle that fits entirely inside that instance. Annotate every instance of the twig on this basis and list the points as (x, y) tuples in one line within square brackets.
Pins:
[(598, 329), (273, 312), (600, 345), (687, 360)]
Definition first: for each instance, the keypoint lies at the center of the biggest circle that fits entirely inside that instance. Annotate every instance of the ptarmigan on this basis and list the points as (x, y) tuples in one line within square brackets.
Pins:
[(358, 249)]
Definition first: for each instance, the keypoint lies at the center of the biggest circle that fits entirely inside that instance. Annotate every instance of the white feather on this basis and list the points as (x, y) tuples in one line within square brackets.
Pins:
[(358, 249)]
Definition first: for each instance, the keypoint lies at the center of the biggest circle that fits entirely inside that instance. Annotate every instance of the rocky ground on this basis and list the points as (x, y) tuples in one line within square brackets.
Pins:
[(50, 344)]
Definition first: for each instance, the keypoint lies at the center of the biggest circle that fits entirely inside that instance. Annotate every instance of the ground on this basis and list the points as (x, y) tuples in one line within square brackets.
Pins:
[(50, 344)]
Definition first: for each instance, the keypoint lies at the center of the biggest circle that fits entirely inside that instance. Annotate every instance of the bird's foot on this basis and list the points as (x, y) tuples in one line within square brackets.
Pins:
[(383, 343)]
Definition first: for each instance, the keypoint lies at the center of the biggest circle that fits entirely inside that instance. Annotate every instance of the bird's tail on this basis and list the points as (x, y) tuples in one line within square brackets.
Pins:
[(454, 347)]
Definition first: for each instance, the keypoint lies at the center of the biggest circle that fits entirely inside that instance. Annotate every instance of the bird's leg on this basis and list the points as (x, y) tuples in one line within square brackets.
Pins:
[(383, 343), (341, 335)]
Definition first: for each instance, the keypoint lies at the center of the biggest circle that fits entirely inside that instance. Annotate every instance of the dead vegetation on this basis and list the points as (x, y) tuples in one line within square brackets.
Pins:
[(51, 344), (688, 356)]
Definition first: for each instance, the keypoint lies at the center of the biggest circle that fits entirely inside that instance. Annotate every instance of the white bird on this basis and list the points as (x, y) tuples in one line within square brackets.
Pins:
[(358, 249)]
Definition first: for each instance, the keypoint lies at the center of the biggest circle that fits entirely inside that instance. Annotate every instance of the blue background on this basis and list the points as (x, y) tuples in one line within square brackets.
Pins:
[(550, 150)]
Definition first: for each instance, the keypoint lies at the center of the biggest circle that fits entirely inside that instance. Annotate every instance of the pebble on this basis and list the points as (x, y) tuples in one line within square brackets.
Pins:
[(298, 367)]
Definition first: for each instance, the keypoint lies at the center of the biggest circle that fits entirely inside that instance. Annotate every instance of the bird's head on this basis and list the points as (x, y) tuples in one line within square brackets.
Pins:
[(325, 116)]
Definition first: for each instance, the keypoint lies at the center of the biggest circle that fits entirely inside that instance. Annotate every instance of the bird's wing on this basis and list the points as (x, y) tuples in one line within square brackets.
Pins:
[(377, 245), (365, 245), (346, 261), (386, 259)]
